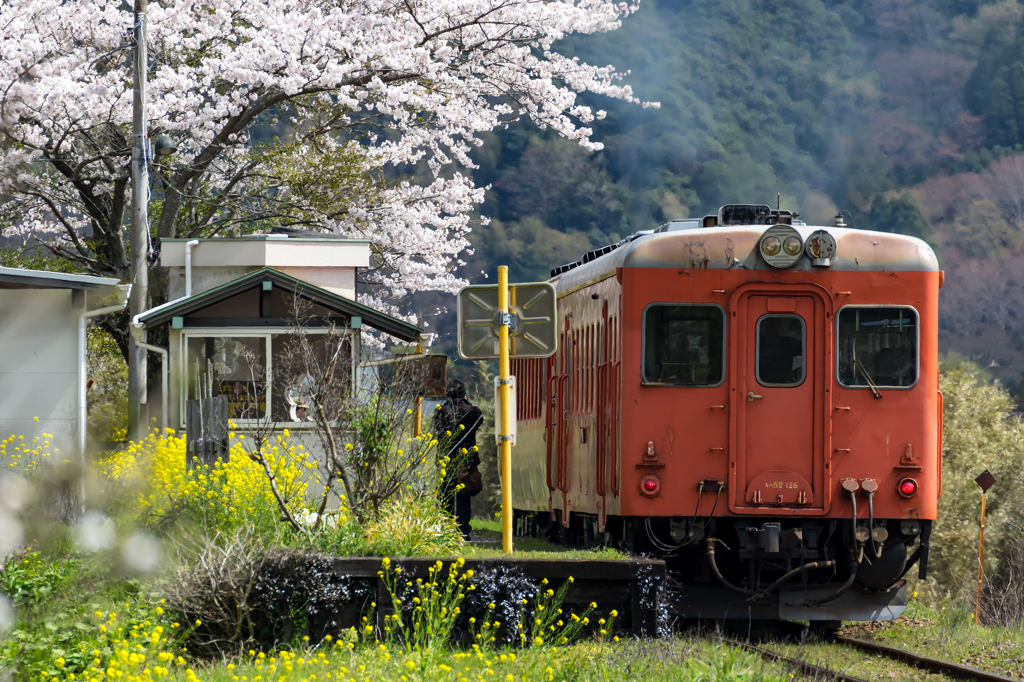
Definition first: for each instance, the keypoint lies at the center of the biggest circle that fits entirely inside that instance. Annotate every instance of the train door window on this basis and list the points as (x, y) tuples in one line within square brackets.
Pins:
[(684, 345), (781, 346), (878, 346)]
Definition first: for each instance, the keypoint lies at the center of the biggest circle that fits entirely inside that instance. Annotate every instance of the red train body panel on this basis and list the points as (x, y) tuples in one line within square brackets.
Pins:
[(702, 396)]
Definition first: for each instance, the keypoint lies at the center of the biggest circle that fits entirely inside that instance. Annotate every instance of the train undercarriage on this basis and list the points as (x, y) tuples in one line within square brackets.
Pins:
[(762, 568)]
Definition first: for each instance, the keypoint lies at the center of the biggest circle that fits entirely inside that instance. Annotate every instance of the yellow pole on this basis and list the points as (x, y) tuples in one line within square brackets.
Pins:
[(505, 443), (981, 554), (417, 418)]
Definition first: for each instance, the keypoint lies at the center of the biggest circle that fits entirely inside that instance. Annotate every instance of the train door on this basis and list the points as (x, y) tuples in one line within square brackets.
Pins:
[(778, 454)]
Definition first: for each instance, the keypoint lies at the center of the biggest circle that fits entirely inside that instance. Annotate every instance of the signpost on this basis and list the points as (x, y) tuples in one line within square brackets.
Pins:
[(986, 481), (532, 324), (501, 322)]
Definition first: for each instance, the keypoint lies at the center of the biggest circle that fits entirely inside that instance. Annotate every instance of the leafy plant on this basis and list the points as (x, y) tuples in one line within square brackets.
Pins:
[(413, 525)]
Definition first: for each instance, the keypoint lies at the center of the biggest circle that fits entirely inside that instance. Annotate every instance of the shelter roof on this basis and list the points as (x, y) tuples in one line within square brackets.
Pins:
[(18, 278), (386, 323)]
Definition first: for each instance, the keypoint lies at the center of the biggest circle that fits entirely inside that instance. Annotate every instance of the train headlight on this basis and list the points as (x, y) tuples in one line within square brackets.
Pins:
[(781, 246), (792, 245), (907, 487), (650, 485)]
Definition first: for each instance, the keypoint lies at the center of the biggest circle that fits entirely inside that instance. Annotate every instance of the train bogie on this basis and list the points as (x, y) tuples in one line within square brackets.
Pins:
[(756, 402)]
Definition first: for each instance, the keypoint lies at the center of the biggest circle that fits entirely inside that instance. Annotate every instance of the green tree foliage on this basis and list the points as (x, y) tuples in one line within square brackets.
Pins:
[(529, 247), (982, 232), (752, 91), (901, 215), (980, 431), (996, 86)]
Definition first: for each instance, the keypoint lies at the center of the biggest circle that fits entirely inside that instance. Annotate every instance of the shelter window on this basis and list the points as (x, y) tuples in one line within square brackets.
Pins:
[(684, 345), (781, 349), (878, 345), (255, 370)]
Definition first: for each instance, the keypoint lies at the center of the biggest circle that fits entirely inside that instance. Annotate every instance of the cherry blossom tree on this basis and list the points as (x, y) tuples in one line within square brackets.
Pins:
[(378, 103)]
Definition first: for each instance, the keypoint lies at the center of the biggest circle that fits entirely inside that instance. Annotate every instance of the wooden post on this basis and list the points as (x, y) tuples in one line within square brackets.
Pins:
[(206, 430), (981, 555), (985, 481), (505, 437)]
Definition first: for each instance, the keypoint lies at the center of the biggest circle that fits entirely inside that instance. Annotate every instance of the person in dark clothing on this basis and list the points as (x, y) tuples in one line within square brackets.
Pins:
[(455, 425)]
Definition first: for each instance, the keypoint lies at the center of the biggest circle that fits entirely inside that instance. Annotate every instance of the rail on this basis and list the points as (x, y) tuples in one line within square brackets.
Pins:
[(948, 668), (926, 663)]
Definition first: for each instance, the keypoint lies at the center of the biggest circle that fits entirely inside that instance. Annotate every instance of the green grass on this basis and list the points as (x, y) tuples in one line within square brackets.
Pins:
[(679, 659), (490, 547), (949, 634)]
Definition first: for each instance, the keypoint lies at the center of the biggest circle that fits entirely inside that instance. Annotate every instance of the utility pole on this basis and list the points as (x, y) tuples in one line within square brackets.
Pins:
[(140, 230)]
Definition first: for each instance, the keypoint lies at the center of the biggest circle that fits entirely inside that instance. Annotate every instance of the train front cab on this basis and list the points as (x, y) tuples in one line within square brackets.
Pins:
[(737, 418), (772, 407)]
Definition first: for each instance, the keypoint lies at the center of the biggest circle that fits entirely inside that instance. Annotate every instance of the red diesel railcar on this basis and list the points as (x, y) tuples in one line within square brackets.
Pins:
[(752, 398)]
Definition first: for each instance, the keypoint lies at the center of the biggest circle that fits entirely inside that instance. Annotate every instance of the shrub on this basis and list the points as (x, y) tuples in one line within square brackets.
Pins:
[(61, 635), (413, 525), (238, 594), (220, 498), (980, 431)]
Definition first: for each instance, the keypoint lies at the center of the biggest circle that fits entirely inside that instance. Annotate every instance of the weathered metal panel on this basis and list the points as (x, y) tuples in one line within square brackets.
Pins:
[(728, 248)]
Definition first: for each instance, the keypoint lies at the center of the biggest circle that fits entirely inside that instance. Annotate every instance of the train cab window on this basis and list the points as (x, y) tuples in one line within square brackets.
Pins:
[(877, 347), (684, 345), (781, 345)]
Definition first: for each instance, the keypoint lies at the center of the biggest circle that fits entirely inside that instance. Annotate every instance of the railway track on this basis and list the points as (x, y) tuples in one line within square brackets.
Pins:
[(948, 668), (808, 669), (926, 663)]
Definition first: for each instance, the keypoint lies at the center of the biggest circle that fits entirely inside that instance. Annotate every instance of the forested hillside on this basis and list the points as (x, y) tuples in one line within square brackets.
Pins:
[(907, 115)]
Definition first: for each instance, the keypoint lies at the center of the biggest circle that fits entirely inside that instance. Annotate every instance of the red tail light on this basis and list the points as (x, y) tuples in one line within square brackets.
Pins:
[(650, 485), (907, 487)]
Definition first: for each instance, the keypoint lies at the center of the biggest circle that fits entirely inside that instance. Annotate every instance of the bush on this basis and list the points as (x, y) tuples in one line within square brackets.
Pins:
[(981, 432), (153, 477), (238, 594), (413, 525), (74, 617)]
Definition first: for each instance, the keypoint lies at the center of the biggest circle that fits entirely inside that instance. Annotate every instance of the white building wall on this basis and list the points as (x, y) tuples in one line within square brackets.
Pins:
[(327, 263), (38, 365)]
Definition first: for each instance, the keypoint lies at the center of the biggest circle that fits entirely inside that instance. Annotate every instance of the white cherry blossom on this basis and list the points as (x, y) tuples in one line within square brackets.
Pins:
[(402, 88)]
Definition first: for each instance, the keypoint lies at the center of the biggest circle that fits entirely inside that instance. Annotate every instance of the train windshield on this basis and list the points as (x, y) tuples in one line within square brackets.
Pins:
[(684, 345), (878, 347)]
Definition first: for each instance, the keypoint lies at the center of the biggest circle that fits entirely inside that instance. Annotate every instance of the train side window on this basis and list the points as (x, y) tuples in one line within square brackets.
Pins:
[(683, 345), (878, 346), (781, 345)]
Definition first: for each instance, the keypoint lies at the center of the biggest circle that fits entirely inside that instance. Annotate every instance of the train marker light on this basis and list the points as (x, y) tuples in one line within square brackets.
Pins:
[(650, 485), (821, 249), (907, 487)]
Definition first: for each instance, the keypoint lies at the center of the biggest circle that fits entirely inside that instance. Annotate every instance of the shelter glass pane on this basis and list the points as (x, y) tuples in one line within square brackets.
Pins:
[(310, 368), (684, 345), (232, 366)]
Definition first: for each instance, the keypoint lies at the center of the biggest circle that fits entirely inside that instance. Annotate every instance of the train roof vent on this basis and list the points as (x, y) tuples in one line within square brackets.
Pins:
[(745, 214), (680, 224), (565, 268), (597, 253)]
